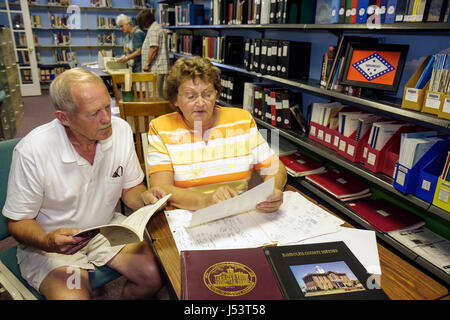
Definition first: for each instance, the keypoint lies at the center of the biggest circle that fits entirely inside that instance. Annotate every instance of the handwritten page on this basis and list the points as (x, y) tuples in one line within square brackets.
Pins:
[(297, 219), (241, 203), (238, 231)]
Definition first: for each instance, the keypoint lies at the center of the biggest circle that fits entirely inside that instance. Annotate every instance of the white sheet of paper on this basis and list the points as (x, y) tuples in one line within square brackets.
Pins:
[(241, 203), (238, 231), (362, 243)]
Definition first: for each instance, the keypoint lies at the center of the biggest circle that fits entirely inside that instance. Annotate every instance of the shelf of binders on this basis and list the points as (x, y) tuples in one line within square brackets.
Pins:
[(378, 179), (302, 183), (392, 109)]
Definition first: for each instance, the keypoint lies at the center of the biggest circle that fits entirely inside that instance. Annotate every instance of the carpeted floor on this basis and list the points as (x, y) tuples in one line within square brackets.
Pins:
[(37, 111)]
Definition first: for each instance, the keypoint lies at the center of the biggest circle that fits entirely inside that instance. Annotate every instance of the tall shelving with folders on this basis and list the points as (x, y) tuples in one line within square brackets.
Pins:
[(423, 38)]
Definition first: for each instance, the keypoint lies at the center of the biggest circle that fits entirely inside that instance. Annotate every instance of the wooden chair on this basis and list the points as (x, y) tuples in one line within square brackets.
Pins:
[(145, 106)]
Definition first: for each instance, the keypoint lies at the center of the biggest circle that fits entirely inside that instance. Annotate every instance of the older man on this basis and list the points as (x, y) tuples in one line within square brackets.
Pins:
[(68, 175)]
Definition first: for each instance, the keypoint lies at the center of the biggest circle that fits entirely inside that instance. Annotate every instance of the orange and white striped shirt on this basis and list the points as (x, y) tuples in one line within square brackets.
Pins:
[(233, 150)]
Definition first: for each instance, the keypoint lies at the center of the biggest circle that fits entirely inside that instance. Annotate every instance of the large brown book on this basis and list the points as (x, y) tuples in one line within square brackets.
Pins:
[(231, 274)]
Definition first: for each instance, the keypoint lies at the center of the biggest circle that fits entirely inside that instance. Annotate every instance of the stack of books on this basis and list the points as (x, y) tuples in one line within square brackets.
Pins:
[(300, 165), (340, 185)]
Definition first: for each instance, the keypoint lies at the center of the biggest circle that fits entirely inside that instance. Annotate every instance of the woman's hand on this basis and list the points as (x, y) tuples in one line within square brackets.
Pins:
[(272, 203)]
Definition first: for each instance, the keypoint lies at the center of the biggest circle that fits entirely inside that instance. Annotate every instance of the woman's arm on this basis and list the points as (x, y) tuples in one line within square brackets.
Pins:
[(189, 199)]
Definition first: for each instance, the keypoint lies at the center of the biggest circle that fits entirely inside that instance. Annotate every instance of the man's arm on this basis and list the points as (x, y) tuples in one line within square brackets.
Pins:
[(30, 233), (151, 56)]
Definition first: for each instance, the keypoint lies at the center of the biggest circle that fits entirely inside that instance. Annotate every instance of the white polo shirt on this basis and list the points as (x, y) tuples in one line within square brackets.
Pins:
[(50, 182)]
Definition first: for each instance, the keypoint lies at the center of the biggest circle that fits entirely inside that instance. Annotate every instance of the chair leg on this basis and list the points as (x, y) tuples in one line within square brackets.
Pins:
[(15, 288)]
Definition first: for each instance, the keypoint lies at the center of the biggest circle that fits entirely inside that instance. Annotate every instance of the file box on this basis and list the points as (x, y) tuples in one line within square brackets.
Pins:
[(432, 102), (441, 197), (406, 179), (444, 110), (413, 97), (351, 149), (385, 160), (429, 174)]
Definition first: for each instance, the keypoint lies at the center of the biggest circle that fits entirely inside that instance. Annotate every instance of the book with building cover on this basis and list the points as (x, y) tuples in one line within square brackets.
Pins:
[(322, 271), (227, 274)]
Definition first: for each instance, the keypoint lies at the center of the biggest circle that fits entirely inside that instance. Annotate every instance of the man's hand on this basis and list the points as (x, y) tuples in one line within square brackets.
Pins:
[(152, 195), (62, 240), (145, 68), (272, 203)]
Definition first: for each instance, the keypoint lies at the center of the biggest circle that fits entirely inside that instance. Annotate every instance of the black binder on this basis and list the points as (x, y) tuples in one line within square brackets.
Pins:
[(234, 50), (295, 60)]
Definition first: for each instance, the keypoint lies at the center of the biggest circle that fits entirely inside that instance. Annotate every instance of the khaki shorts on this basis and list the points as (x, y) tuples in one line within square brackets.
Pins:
[(36, 264)]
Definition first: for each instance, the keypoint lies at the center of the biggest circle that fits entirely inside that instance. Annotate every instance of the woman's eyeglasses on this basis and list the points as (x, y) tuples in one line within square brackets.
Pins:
[(191, 97)]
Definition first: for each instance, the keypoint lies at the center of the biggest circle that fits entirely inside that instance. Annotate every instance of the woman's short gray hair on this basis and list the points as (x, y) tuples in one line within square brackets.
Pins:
[(61, 88), (121, 18)]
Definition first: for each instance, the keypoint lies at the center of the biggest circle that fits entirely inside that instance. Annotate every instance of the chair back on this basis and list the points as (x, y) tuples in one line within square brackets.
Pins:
[(143, 88), (6, 151), (145, 111)]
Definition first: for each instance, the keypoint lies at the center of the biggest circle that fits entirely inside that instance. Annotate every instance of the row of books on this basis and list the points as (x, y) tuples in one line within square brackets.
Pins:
[(282, 58), (223, 49), (277, 106), (380, 11), (47, 75), (36, 21), (106, 22), (188, 13), (310, 12), (64, 56), (233, 88), (106, 38), (61, 38)]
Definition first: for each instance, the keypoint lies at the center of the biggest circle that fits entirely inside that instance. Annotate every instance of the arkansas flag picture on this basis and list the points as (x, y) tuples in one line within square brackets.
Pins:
[(373, 66)]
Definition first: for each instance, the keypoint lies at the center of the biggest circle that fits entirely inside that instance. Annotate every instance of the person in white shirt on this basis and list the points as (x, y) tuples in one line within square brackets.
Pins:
[(68, 175), (155, 56)]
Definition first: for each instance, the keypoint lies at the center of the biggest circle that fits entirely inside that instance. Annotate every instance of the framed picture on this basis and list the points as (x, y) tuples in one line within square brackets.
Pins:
[(374, 65)]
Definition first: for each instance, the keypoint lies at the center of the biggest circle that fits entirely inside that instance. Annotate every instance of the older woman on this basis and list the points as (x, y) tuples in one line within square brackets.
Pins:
[(132, 44), (204, 153)]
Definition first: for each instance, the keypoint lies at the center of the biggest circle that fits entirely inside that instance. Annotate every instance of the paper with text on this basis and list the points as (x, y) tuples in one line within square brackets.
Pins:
[(241, 203), (297, 219)]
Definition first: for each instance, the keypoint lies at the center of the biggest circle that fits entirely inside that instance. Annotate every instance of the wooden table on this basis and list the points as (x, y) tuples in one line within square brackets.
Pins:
[(399, 279)]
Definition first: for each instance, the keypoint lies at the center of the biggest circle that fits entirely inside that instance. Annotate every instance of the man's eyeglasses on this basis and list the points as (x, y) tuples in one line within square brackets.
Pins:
[(193, 96)]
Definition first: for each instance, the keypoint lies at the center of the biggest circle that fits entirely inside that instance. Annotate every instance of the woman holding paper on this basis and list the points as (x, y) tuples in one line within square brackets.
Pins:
[(203, 153)]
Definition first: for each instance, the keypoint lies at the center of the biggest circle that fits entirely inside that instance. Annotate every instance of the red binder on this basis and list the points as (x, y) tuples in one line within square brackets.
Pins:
[(299, 165), (385, 216), (340, 185)]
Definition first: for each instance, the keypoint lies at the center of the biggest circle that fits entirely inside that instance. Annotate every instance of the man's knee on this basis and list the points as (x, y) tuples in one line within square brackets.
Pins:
[(66, 283)]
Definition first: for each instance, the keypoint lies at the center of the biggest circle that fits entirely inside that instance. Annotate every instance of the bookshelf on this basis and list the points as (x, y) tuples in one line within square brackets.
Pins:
[(425, 39), (86, 26)]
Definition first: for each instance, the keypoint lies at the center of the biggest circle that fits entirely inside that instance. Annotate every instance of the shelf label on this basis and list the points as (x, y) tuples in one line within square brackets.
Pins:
[(351, 150), (426, 185), (433, 101), (412, 94), (446, 107)]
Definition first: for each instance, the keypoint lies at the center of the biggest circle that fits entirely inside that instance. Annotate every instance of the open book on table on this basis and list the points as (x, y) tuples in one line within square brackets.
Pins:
[(131, 229)]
